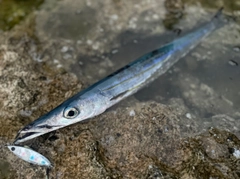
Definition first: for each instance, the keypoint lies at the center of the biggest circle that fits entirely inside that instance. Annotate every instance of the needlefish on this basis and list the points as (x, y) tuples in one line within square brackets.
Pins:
[(126, 81)]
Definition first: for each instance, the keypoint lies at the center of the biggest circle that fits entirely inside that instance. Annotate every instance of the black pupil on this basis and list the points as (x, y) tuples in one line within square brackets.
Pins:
[(71, 113), (13, 148)]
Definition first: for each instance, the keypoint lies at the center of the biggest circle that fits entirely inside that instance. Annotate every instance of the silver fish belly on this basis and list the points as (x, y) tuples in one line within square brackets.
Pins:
[(117, 86)]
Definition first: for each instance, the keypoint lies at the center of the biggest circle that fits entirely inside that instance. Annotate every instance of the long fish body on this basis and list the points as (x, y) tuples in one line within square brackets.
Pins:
[(126, 81)]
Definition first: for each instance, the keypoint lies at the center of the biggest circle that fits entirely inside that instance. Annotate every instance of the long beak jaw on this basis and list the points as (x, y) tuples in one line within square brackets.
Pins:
[(26, 136), (30, 132)]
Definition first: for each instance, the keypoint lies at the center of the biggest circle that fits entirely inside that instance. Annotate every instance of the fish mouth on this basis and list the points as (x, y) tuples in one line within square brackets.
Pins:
[(25, 137), (30, 132)]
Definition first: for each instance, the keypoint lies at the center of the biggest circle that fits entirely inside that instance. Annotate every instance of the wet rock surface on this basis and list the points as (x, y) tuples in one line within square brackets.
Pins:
[(27, 90), (195, 134), (146, 145)]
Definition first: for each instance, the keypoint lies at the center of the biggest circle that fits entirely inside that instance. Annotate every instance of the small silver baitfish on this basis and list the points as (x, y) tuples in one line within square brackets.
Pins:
[(29, 155), (119, 85)]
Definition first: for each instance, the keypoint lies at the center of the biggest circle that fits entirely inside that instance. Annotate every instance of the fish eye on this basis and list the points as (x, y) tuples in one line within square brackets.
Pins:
[(70, 112), (12, 148)]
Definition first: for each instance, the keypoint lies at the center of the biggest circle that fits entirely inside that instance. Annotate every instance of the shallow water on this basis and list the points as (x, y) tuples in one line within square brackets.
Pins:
[(93, 39)]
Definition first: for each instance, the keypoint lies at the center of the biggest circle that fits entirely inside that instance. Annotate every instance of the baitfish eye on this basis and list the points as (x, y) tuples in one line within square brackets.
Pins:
[(12, 148), (70, 112)]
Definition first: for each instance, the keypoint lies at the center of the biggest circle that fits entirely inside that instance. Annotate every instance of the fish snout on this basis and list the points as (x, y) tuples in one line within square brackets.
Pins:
[(32, 131)]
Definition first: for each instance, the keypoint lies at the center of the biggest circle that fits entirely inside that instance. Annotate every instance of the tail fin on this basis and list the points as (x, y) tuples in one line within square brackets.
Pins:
[(219, 19), (218, 14)]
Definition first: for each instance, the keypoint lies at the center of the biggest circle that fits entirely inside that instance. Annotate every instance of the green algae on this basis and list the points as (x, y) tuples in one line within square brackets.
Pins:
[(12, 12)]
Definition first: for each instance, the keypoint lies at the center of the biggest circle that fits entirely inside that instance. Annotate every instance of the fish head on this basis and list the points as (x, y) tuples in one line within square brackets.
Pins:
[(66, 114)]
